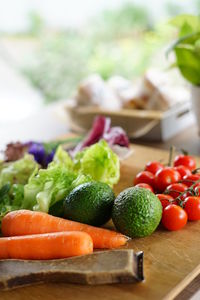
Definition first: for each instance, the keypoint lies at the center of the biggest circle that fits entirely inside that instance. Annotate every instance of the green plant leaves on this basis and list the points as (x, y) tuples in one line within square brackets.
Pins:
[(186, 24), (187, 47), (188, 63)]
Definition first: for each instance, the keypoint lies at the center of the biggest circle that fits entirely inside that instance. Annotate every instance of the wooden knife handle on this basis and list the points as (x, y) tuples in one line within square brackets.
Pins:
[(102, 267)]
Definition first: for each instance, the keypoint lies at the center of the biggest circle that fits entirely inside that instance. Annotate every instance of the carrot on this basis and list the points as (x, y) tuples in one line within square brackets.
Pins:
[(23, 222), (46, 245)]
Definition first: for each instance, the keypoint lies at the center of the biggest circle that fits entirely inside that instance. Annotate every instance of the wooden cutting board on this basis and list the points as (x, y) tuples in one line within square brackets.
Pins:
[(171, 259)]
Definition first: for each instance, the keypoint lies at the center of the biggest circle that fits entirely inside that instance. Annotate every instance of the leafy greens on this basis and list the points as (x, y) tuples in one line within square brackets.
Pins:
[(100, 162), (50, 186), (13, 176), (24, 185), (18, 171)]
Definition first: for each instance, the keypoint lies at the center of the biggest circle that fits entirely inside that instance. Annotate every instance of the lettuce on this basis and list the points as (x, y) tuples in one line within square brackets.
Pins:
[(99, 162), (80, 179), (13, 176), (48, 187), (61, 157), (102, 130), (10, 198), (18, 171)]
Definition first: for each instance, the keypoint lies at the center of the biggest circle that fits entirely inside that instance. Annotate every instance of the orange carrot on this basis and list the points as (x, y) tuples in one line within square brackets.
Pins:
[(46, 245), (23, 222)]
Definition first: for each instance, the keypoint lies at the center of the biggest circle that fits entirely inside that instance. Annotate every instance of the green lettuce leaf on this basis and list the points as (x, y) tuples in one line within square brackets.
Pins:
[(47, 187), (99, 162), (61, 157), (18, 171), (11, 197), (13, 176)]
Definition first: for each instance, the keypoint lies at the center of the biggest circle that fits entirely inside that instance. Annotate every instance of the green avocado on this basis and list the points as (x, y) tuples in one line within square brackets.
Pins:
[(90, 203), (136, 212)]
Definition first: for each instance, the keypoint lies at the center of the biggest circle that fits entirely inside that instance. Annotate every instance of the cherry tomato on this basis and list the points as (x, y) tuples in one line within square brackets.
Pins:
[(175, 189), (190, 179), (145, 186), (174, 217), (165, 177), (185, 160), (153, 166), (192, 208), (183, 171), (165, 199), (144, 177)]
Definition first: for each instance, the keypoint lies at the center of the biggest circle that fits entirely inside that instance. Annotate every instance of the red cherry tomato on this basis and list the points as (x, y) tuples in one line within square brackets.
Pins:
[(175, 189), (165, 199), (183, 171), (144, 177), (174, 217), (145, 186), (165, 177), (185, 160), (190, 179), (192, 208), (153, 166)]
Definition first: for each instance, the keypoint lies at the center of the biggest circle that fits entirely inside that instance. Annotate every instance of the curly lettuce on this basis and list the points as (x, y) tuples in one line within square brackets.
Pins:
[(13, 176), (18, 171), (47, 187), (11, 197), (99, 162), (61, 157)]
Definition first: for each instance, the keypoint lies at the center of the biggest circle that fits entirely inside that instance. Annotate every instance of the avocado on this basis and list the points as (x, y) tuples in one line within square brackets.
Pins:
[(136, 212), (90, 203), (57, 209)]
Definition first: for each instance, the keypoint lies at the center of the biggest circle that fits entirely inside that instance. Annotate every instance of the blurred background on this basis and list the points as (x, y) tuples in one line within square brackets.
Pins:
[(48, 47)]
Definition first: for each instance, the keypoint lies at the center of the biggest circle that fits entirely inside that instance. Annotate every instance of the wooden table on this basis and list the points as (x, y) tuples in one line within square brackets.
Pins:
[(171, 259)]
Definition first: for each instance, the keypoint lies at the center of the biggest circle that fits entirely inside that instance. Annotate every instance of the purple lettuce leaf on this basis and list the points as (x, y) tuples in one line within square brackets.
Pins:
[(100, 126), (116, 136), (101, 129)]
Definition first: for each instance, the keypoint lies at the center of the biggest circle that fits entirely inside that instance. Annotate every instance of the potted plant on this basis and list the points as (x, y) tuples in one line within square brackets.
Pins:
[(187, 55)]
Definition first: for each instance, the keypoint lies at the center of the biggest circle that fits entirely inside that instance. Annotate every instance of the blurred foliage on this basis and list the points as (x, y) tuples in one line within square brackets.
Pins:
[(121, 22), (36, 23), (197, 5), (122, 41), (173, 9), (60, 64)]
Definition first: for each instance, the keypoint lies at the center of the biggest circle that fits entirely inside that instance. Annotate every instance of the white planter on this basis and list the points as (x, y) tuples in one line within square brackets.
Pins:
[(195, 98)]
